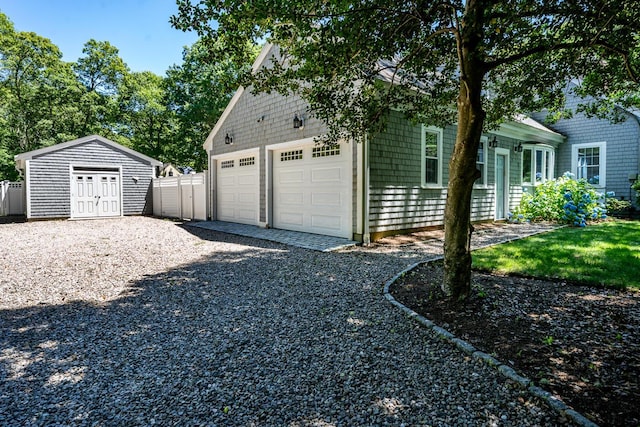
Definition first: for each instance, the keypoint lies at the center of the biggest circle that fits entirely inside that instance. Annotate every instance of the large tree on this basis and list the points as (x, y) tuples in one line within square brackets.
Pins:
[(473, 62)]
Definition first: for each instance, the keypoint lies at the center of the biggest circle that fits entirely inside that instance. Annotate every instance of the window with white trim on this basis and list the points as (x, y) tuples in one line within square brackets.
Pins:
[(537, 164), (481, 162), (588, 161), (431, 156)]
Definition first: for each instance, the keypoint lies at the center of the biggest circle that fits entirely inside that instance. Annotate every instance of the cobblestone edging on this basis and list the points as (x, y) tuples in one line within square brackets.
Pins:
[(508, 372)]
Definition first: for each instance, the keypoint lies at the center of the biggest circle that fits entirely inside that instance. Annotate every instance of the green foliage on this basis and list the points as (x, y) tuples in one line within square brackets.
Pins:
[(564, 200), (45, 100), (614, 205), (636, 187)]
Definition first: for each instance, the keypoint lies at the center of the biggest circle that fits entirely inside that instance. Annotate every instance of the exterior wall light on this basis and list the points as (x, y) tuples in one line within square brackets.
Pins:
[(493, 143), (518, 148), (298, 122), (228, 139)]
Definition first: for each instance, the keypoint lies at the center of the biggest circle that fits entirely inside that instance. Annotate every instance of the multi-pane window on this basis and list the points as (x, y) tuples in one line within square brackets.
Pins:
[(589, 164), (537, 164), (432, 156), (588, 161)]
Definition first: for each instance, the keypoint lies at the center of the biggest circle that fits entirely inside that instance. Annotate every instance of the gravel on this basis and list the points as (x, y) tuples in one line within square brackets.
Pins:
[(141, 321)]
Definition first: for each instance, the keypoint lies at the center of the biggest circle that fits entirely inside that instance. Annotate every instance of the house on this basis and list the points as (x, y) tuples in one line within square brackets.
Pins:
[(267, 170), (89, 177), (607, 154), (169, 170)]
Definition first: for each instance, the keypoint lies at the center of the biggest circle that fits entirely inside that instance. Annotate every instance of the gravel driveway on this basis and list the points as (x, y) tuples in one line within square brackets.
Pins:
[(141, 321)]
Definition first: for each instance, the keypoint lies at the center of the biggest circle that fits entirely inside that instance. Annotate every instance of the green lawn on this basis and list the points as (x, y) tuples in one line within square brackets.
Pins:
[(607, 254)]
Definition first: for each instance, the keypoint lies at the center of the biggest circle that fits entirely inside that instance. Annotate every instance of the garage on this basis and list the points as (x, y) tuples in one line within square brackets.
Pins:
[(238, 188), (95, 193), (89, 177), (312, 186)]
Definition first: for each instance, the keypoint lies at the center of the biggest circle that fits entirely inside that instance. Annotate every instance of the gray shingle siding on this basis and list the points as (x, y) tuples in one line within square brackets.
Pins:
[(622, 139), (397, 199), (49, 179), (261, 120)]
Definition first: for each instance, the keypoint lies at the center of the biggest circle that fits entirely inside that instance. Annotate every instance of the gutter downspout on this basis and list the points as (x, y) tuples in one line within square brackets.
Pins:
[(366, 234)]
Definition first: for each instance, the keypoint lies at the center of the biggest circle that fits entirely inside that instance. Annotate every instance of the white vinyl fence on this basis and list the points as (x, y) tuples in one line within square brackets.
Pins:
[(11, 198), (183, 197)]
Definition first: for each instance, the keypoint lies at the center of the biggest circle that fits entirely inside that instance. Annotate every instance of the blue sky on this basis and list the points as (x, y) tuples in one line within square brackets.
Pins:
[(140, 29)]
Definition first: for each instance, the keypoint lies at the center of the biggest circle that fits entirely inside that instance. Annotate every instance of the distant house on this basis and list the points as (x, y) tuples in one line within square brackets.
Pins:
[(169, 170), (606, 154), (267, 170), (90, 177)]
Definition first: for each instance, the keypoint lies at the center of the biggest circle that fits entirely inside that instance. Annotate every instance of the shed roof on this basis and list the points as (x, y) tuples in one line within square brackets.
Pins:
[(21, 158)]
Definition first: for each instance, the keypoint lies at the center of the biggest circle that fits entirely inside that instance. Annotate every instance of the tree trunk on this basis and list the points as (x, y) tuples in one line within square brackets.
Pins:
[(463, 171)]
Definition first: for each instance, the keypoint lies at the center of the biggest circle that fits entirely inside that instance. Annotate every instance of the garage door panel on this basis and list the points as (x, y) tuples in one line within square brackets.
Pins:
[(246, 214), (326, 199), (327, 222), (247, 197), (247, 180), (237, 184), (312, 190), (295, 199), (327, 175), (291, 177), (290, 219)]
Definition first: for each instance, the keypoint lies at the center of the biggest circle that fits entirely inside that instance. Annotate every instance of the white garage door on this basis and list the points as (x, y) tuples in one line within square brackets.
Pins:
[(95, 194), (312, 189), (237, 183)]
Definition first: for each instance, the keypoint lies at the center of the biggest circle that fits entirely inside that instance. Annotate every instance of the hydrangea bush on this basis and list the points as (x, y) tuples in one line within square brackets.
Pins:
[(565, 200)]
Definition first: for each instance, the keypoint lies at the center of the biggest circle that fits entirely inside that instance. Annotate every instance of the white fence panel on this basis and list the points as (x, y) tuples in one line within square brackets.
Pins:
[(11, 198), (183, 197)]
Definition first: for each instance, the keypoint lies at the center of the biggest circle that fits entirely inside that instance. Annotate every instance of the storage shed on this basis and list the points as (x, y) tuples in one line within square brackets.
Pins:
[(89, 177)]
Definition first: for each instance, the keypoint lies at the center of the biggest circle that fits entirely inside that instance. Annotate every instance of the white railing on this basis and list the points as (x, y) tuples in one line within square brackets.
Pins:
[(183, 197), (11, 198)]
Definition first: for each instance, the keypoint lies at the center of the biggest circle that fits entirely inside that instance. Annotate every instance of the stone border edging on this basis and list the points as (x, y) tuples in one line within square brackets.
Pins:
[(523, 382)]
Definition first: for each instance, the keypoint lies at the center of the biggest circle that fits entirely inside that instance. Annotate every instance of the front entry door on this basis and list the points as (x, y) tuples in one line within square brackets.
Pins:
[(502, 184)]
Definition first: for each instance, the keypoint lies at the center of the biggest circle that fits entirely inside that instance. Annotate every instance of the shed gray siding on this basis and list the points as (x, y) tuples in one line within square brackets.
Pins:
[(49, 179), (397, 199), (622, 149)]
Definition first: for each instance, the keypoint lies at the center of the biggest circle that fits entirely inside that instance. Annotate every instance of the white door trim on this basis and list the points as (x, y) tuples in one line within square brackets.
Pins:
[(507, 165)]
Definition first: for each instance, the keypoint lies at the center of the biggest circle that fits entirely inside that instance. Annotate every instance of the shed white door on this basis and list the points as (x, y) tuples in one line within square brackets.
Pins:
[(312, 189), (238, 189), (95, 195)]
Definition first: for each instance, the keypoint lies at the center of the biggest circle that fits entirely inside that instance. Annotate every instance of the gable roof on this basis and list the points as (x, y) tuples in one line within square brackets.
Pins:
[(21, 158), (257, 64)]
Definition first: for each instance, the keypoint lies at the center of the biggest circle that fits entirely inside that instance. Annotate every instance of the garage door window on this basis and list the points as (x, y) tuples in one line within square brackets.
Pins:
[(247, 161), (326, 150), (226, 164), (291, 155)]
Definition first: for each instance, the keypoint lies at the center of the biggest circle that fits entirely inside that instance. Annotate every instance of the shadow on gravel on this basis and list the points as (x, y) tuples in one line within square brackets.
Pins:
[(259, 334)]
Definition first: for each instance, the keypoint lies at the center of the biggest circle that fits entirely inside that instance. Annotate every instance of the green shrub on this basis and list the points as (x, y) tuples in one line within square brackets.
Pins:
[(565, 200), (615, 205), (636, 187)]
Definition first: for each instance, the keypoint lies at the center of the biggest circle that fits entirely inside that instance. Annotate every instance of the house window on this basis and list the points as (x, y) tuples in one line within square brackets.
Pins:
[(432, 156), (588, 162), (481, 162), (537, 164)]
